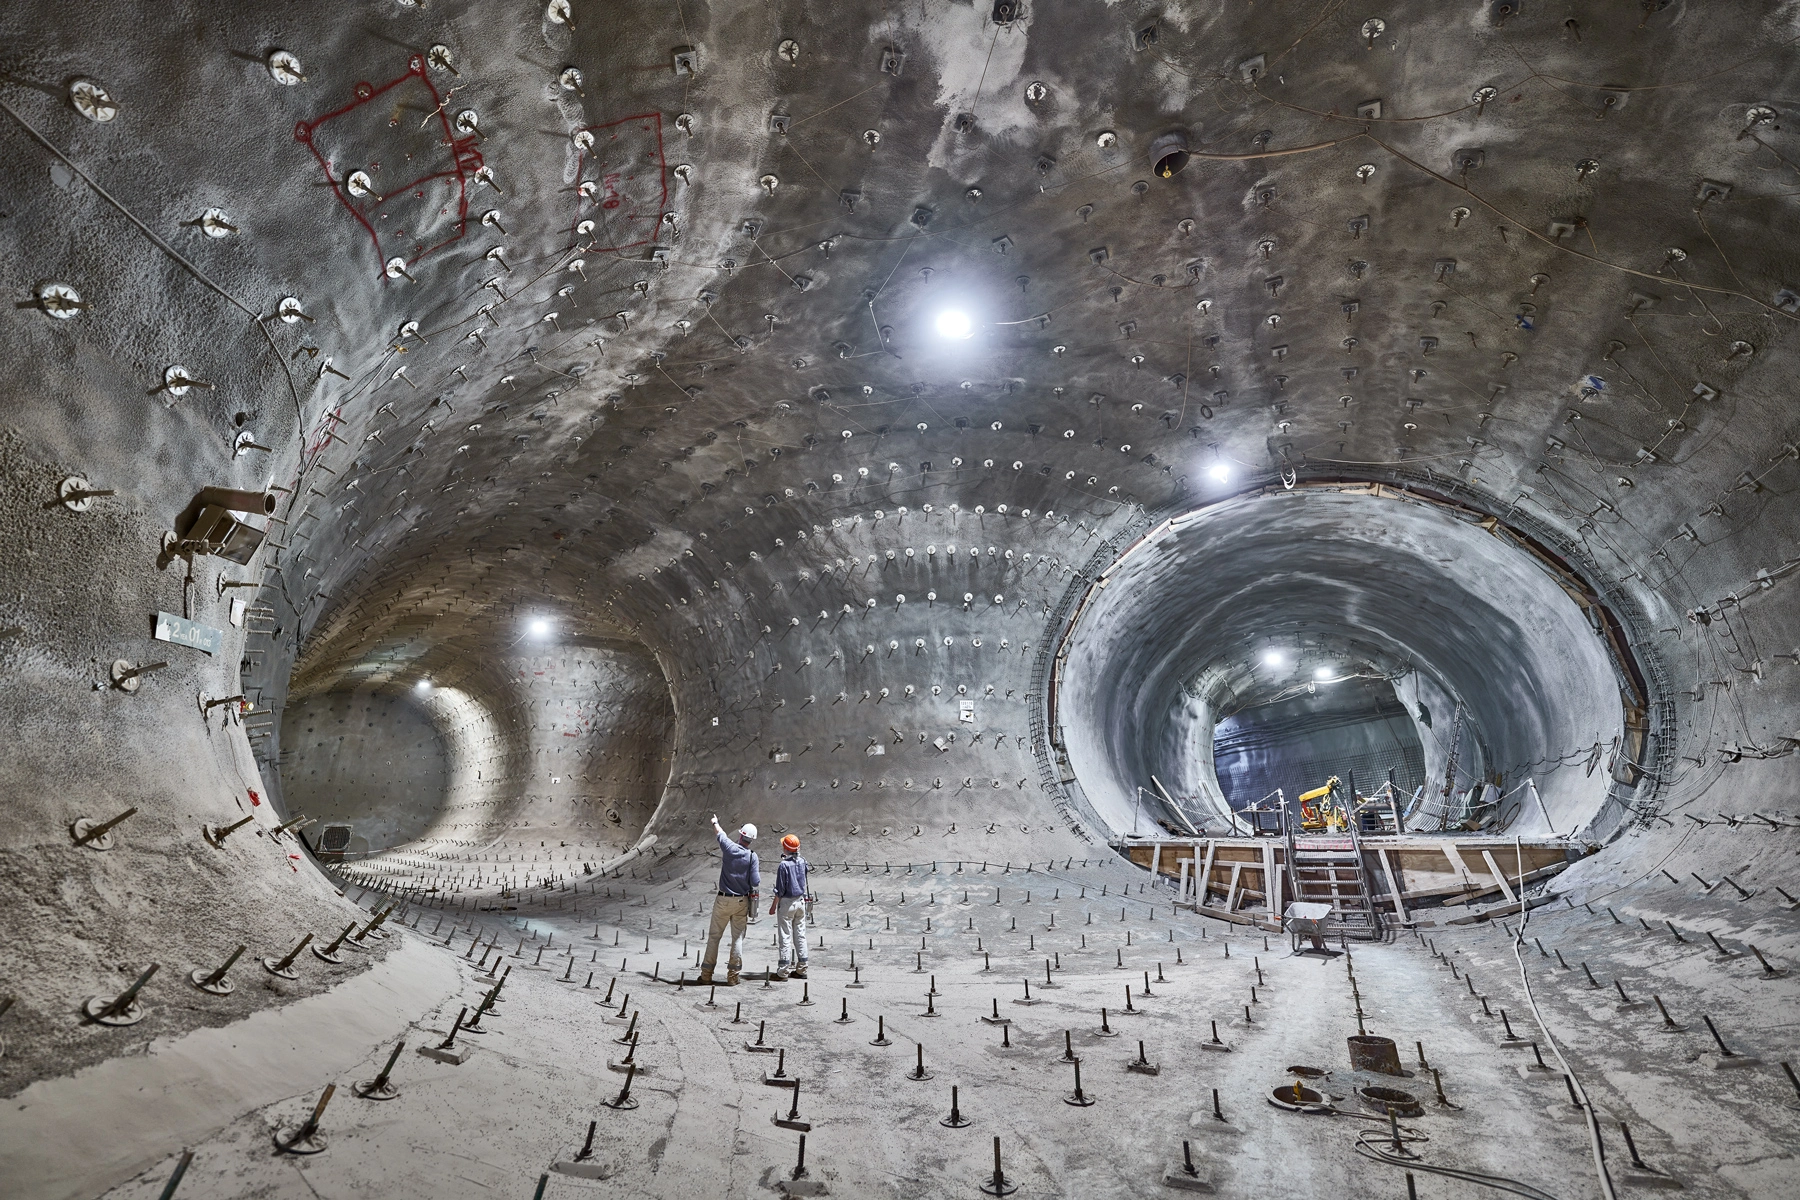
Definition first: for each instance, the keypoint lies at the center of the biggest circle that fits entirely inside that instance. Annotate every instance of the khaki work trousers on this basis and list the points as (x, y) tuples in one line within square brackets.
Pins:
[(735, 912)]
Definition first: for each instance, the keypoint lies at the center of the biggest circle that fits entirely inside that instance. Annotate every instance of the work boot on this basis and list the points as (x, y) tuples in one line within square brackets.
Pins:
[(731, 980), (780, 975), (705, 977), (799, 972)]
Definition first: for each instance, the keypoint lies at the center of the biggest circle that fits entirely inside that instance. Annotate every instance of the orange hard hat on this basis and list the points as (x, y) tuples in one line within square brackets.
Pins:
[(790, 843)]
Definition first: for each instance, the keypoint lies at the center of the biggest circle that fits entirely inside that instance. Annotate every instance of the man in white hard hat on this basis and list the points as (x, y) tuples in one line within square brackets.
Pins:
[(740, 877)]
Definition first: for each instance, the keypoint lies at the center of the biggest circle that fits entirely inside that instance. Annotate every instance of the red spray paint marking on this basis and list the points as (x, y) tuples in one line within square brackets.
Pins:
[(623, 205), (321, 438), (465, 159)]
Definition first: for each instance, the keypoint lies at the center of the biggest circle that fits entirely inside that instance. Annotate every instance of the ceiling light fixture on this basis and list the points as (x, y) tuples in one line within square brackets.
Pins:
[(424, 685), (1323, 673), (1273, 658), (539, 627), (1220, 472), (954, 323)]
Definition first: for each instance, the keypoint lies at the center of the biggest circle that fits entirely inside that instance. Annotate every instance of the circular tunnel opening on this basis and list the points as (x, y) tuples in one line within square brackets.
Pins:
[(1245, 654), (538, 746)]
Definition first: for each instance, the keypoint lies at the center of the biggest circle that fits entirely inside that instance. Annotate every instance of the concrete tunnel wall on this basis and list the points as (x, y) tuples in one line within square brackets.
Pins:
[(848, 727), (669, 490), (82, 590), (373, 762)]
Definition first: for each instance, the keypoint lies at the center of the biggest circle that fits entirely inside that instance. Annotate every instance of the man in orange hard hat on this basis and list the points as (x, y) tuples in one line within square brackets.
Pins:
[(789, 909)]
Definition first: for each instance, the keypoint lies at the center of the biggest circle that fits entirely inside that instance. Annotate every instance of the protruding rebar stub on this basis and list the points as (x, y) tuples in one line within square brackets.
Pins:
[(919, 1073), (215, 835), (304, 1138), (997, 1184), (329, 953), (283, 967), (82, 830), (122, 1009), (77, 494), (955, 1120), (375, 1089), (214, 982), (624, 1100), (97, 835), (1185, 1175), (380, 1088), (1079, 1098)]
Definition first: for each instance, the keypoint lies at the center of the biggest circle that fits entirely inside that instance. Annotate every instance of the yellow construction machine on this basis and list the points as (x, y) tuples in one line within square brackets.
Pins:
[(1321, 810)]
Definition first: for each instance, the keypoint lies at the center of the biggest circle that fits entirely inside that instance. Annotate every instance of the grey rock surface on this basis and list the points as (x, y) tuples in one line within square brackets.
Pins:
[(592, 355)]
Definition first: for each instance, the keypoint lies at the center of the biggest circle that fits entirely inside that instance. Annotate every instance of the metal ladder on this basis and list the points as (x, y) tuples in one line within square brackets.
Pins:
[(1328, 869)]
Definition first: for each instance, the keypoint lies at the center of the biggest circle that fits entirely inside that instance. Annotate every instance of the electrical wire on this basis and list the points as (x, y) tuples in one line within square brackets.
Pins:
[(1554, 243), (1367, 1145), (1587, 1107), (256, 318)]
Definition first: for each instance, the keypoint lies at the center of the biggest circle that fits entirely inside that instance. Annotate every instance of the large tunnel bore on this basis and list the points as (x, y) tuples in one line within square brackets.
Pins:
[(644, 413), (1362, 629)]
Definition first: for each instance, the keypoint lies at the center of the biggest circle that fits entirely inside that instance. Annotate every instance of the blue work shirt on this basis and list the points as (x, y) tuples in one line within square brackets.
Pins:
[(740, 874), (790, 877)]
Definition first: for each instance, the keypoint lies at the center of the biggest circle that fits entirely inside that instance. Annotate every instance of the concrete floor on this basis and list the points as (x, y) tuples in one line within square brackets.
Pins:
[(522, 1100)]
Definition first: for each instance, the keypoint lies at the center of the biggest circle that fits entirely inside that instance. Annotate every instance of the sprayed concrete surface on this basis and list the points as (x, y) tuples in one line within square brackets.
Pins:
[(591, 355), (523, 1099)]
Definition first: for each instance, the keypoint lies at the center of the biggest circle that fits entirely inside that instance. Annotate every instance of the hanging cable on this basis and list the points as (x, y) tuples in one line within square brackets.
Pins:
[(1587, 1107)]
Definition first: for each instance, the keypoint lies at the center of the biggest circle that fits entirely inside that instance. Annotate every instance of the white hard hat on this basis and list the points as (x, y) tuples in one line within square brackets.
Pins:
[(748, 832)]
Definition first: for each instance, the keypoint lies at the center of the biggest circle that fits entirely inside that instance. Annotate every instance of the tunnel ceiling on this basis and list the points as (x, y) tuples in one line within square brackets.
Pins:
[(627, 313)]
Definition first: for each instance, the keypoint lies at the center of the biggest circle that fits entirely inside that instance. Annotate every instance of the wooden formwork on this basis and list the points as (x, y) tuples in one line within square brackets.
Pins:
[(1231, 877)]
